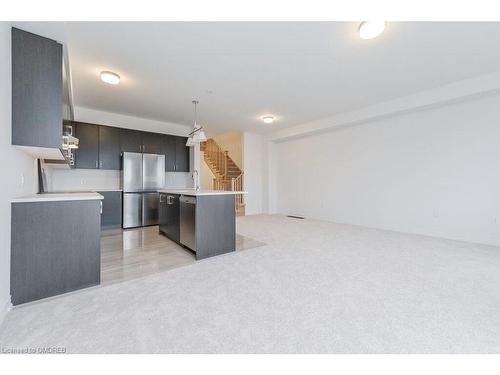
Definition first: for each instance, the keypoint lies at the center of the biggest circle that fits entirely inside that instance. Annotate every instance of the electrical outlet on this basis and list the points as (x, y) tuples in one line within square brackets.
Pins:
[(435, 213), (82, 181), (495, 220), (22, 179)]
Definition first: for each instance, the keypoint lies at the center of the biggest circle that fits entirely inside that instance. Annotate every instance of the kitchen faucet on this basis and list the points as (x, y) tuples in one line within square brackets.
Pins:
[(196, 179)]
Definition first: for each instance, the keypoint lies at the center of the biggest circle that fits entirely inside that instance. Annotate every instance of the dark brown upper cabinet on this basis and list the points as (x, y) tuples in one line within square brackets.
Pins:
[(101, 147), (109, 148), (130, 140), (87, 154), (151, 143), (181, 155), (37, 90), (176, 153), (168, 150)]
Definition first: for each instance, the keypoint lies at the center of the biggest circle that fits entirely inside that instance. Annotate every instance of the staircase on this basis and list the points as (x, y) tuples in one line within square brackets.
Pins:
[(228, 176)]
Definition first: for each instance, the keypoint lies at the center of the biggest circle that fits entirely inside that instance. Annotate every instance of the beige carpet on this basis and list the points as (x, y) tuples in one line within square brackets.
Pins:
[(316, 287)]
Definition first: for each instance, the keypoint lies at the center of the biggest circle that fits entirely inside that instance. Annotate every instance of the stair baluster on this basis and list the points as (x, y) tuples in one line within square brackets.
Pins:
[(228, 176)]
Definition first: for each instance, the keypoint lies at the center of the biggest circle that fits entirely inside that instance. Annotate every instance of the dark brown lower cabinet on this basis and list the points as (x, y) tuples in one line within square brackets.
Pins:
[(111, 217), (193, 225), (55, 248), (168, 219), (214, 237)]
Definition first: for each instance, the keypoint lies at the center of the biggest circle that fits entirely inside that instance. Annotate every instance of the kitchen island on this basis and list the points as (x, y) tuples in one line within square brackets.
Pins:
[(55, 244), (203, 221)]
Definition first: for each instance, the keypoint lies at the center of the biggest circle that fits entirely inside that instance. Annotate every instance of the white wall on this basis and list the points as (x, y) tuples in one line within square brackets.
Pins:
[(206, 175), (255, 176), (18, 169), (433, 172), (233, 143)]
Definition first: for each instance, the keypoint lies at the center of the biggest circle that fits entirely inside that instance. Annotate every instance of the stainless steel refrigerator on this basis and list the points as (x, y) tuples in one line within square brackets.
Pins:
[(142, 176)]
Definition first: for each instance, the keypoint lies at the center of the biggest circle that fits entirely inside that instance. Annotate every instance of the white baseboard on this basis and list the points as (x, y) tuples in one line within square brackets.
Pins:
[(5, 306)]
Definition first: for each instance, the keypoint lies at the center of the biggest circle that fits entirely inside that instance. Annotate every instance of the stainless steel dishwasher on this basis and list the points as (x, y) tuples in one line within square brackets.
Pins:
[(188, 221)]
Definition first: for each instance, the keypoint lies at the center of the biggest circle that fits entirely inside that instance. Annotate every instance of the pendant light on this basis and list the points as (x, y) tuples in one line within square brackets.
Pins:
[(198, 134)]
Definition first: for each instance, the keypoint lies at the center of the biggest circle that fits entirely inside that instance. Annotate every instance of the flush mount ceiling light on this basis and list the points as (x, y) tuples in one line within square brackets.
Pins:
[(371, 29), (268, 119), (198, 134), (110, 77)]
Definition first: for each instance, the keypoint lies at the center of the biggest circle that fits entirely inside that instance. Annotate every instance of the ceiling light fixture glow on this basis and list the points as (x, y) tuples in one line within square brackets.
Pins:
[(268, 119), (110, 77), (371, 29)]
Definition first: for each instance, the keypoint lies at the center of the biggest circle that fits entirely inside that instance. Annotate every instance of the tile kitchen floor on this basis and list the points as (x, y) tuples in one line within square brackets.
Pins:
[(133, 253)]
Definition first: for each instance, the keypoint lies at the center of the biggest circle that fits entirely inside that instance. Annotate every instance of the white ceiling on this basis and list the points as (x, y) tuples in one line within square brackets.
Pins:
[(298, 72)]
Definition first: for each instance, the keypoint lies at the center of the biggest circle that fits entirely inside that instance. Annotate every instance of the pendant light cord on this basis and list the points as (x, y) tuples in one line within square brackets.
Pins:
[(195, 102)]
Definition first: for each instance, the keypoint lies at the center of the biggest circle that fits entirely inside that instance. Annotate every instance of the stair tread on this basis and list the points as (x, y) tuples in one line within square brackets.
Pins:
[(218, 166)]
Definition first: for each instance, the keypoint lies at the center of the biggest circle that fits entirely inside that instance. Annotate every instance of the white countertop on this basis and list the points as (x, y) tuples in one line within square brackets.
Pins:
[(82, 191), (54, 197), (193, 192)]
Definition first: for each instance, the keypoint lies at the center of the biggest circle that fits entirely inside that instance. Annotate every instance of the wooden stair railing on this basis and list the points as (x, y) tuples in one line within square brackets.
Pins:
[(228, 176), (237, 185)]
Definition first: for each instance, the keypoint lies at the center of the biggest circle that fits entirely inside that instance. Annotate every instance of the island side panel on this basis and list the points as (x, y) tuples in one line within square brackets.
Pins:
[(215, 225), (55, 248)]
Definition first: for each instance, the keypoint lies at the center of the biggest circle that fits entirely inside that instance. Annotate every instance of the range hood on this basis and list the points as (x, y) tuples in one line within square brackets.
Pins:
[(69, 144), (69, 141)]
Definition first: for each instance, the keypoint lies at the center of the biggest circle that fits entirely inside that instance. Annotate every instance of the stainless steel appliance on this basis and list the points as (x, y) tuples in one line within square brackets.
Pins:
[(188, 221), (142, 176), (169, 223)]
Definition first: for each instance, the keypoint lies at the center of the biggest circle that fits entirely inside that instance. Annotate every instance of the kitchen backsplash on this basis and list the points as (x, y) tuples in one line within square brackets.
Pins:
[(178, 180), (91, 179), (82, 179)]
